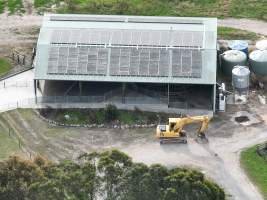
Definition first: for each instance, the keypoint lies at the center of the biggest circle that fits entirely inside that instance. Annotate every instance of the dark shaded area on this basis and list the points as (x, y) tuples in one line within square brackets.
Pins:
[(180, 95), (241, 119)]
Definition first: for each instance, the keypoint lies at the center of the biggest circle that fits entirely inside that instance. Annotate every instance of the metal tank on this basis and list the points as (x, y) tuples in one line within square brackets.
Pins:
[(261, 45), (240, 78), (239, 45), (258, 62), (232, 58)]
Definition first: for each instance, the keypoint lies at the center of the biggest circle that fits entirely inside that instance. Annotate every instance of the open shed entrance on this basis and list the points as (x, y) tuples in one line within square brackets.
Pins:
[(173, 95)]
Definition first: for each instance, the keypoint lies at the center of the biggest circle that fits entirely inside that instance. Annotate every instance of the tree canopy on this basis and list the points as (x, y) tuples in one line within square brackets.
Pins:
[(111, 175)]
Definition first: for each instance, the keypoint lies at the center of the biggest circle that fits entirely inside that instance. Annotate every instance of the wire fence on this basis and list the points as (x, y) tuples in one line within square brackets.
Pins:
[(18, 84), (91, 101), (21, 58), (21, 62)]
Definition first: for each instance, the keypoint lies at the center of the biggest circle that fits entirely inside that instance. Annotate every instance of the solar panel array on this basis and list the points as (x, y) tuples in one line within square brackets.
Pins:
[(172, 38), (82, 60), (154, 62)]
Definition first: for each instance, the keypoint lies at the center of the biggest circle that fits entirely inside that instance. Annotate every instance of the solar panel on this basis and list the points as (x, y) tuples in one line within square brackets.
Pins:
[(127, 61), (160, 38), (53, 60), (186, 63)]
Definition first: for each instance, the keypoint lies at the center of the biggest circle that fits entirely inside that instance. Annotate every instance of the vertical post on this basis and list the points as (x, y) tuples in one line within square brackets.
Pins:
[(168, 95), (33, 55), (214, 98), (35, 89), (123, 92), (80, 88), (23, 61)]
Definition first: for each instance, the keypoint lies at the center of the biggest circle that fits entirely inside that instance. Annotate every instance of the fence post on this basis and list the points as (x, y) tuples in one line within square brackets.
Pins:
[(23, 61)]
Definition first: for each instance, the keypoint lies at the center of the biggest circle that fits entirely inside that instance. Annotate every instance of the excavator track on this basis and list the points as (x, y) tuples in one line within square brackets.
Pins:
[(173, 140)]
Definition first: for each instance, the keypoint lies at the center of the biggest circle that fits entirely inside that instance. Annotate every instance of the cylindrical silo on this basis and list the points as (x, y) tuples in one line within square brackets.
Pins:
[(258, 62), (239, 45), (232, 58), (261, 45), (240, 78)]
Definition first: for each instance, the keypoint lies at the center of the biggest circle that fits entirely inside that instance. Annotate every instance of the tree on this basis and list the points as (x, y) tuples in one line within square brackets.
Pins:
[(111, 113), (110, 174), (112, 166), (16, 175)]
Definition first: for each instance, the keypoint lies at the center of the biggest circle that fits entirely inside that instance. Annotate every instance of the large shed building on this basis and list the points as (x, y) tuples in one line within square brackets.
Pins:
[(169, 60)]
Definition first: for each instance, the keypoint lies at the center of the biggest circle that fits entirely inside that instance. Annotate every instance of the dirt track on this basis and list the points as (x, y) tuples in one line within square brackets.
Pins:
[(219, 159), (23, 30), (256, 26)]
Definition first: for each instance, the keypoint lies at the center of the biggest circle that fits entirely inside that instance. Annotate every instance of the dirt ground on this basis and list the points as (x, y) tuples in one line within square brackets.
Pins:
[(219, 159), (20, 32)]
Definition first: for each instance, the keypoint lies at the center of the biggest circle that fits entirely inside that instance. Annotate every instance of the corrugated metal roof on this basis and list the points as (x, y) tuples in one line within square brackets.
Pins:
[(127, 48)]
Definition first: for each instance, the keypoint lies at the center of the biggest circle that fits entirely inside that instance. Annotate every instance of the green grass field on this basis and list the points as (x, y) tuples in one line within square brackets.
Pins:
[(15, 6), (8, 145), (2, 6), (236, 34), (5, 66), (256, 168), (213, 8)]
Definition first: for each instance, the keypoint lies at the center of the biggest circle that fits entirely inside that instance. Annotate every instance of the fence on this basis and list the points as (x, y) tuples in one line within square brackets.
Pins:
[(21, 59), (100, 99), (22, 63), (8, 84), (148, 104)]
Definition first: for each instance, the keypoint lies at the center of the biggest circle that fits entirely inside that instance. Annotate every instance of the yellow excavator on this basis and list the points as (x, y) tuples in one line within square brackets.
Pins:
[(174, 133)]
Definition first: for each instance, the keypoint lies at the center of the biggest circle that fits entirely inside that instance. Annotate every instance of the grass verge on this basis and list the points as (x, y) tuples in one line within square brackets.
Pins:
[(104, 116), (248, 9), (227, 33), (256, 168), (15, 6), (212, 8), (5, 66), (8, 145), (2, 5)]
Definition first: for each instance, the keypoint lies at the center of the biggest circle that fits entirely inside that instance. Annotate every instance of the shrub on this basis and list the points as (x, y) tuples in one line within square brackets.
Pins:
[(111, 113)]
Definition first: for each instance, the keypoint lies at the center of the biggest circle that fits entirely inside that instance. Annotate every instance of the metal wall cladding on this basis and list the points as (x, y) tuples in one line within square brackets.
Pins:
[(258, 62), (232, 58), (240, 77)]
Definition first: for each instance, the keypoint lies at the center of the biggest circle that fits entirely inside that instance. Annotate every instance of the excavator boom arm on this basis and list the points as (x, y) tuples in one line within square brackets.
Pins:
[(181, 122)]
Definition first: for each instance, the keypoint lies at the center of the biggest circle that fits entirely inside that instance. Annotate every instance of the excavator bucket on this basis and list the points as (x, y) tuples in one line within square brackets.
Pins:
[(201, 138)]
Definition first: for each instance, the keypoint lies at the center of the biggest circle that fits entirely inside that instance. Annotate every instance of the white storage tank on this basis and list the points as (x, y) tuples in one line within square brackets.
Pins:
[(261, 45), (240, 45), (240, 78), (258, 62), (232, 58)]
